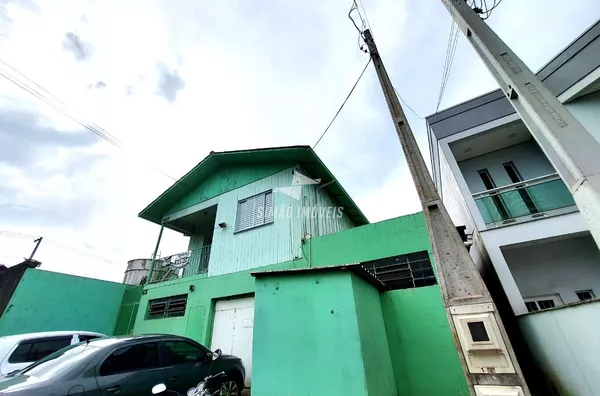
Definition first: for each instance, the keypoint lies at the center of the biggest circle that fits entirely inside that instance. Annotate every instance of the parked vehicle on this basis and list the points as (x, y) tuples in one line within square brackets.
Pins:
[(19, 351), (211, 385), (127, 366)]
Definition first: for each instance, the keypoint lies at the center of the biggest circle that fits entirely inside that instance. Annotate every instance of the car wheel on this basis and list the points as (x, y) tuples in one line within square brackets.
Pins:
[(229, 387)]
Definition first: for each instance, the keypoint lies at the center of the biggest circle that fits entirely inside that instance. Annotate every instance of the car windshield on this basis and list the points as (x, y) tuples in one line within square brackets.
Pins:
[(60, 360)]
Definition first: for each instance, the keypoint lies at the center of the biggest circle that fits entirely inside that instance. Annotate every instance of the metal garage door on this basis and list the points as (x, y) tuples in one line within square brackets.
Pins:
[(232, 330)]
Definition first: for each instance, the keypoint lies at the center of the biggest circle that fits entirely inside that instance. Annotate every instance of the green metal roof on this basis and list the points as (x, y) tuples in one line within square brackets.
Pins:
[(296, 155)]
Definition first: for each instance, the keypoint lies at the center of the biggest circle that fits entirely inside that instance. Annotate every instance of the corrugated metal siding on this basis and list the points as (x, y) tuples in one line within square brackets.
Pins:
[(327, 219), (269, 244)]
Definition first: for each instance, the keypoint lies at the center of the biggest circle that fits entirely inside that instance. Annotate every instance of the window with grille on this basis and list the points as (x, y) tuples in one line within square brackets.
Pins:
[(539, 303), (585, 295), (254, 211), (404, 271), (168, 307)]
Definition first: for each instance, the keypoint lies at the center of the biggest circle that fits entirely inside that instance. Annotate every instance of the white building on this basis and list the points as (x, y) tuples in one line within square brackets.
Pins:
[(494, 178)]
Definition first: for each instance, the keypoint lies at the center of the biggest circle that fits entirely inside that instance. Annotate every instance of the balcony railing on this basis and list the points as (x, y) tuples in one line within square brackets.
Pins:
[(531, 198), (180, 265)]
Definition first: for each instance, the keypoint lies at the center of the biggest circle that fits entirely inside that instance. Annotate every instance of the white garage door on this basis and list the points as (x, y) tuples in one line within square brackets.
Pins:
[(232, 330)]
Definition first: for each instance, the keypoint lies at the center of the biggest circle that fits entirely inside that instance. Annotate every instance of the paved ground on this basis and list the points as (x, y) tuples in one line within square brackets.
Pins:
[(246, 392)]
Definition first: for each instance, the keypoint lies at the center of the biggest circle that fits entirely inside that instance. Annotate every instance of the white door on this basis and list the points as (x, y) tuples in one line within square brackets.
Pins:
[(232, 330)]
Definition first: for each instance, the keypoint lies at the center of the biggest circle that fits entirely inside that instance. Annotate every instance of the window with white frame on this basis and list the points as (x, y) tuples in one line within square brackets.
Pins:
[(538, 303), (254, 211)]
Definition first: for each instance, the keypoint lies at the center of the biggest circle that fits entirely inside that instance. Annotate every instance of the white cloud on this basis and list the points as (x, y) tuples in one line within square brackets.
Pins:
[(256, 74)]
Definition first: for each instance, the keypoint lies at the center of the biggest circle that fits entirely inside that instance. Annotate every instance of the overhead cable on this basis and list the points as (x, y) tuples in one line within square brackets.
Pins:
[(343, 103)]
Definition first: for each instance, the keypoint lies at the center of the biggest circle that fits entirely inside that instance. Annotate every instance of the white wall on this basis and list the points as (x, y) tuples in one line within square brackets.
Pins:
[(452, 196), (566, 345), (556, 266), (497, 238), (527, 157), (587, 111)]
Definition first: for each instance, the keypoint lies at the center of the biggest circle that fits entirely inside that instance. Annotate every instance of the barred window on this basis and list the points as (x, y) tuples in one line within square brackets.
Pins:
[(254, 211), (168, 307)]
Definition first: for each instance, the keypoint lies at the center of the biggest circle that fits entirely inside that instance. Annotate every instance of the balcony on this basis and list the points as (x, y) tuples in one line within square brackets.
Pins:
[(181, 265), (524, 201)]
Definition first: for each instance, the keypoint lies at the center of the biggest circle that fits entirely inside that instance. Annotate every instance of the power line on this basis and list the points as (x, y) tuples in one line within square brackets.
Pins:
[(68, 111), (343, 103), (407, 105), (449, 60), (62, 246)]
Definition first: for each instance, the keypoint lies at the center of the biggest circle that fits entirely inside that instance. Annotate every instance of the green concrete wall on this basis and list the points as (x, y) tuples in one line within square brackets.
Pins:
[(375, 350), (46, 301), (424, 358), (419, 342), (128, 310), (306, 337), (197, 322)]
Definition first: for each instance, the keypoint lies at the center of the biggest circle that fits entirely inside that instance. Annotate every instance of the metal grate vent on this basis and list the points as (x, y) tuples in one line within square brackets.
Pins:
[(168, 307), (402, 272)]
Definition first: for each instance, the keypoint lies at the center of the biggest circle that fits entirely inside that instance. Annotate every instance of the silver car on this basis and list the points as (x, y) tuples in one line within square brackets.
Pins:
[(19, 351)]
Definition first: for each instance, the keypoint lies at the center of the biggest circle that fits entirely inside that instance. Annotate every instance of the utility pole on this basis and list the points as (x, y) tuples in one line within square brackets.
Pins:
[(37, 245), (486, 355), (568, 145)]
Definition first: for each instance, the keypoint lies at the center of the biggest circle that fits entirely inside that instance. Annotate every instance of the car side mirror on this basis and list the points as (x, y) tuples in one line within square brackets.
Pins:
[(158, 388), (217, 354)]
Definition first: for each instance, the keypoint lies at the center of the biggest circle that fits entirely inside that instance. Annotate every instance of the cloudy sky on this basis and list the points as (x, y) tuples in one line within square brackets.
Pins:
[(175, 80)]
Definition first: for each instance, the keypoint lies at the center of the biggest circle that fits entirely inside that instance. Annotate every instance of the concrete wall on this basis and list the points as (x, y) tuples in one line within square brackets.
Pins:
[(419, 340), (527, 157), (424, 358), (375, 349), (452, 196), (557, 266), (311, 337), (46, 301), (128, 311), (565, 343), (496, 239), (587, 111)]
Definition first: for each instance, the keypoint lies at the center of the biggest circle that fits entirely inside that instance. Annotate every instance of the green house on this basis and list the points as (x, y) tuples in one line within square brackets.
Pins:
[(285, 271)]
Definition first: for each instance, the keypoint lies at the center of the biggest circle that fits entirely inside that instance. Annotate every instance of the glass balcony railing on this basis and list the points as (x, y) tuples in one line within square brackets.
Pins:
[(527, 198), (180, 265)]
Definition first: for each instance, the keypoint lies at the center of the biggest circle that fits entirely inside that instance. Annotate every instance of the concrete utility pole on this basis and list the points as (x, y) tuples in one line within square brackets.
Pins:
[(568, 145), (486, 354), (37, 245)]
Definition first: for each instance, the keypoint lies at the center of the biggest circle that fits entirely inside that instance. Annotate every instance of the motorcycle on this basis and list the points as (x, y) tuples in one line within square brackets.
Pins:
[(199, 390)]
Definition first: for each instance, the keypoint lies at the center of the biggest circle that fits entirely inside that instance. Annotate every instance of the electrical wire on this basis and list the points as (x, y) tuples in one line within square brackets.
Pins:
[(59, 105), (60, 245), (407, 105), (449, 60), (343, 103)]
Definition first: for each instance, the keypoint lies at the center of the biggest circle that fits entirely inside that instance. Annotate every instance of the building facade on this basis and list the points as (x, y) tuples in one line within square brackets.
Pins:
[(285, 271), (495, 179)]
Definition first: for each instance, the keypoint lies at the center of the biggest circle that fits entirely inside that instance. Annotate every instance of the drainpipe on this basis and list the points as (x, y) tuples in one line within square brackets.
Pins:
[(151, 269)]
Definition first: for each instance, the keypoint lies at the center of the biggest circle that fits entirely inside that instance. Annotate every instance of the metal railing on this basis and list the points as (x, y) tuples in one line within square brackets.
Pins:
[(180, 265), (531, 197)]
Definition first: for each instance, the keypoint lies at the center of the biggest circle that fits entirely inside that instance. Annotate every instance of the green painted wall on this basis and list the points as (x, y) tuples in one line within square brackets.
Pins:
[(128, 310), (306, 337), (418, 336), (197, 322), (424, 359), (273, 243), (400, 235), (46, 301), (376, 358), (228, 179)]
